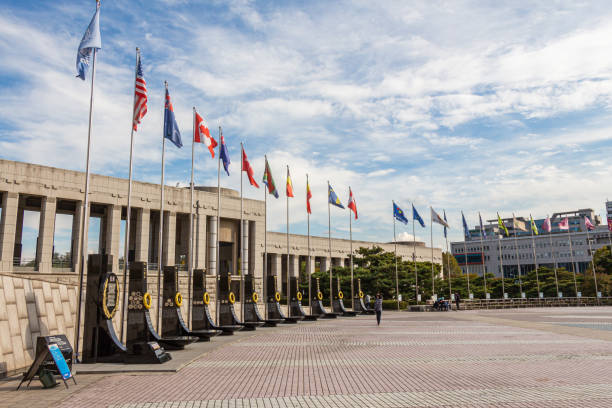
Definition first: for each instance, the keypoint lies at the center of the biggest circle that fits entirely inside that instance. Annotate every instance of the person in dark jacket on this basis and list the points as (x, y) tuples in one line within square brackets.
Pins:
[(457, 300), (378, 308)]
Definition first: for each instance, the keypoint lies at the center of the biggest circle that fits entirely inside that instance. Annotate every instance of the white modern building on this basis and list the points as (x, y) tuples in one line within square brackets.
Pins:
[(526, 251)]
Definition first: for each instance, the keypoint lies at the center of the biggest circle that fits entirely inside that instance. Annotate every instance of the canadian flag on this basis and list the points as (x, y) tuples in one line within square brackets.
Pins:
[(202, 135), (352, 204), (564, 225)]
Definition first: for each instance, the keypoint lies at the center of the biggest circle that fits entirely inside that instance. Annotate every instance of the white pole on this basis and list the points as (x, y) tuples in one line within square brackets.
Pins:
[(351, 257), (592, 262), (569, 237), (288, 289), (161, 231), (535, 256), (331, 295), (190, 256), (484, 271), (433, 286), (82, 255), (552, 253), (242, 261), (217, 303), (518, 259), (265, 261), (450, 289), (309, 260), (416, 274), (126, 248), (396, 276), (501, 264)]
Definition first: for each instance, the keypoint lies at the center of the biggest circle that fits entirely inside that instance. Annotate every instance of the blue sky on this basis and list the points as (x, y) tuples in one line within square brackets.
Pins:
[(462, 105)]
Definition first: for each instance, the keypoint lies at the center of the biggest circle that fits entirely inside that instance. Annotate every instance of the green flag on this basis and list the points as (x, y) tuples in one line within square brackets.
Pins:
[(502, 226), (534, 228)]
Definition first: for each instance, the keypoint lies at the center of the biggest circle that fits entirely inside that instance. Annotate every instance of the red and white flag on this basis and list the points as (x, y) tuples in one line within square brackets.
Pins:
[(610, 224), (140, 96), (564, 225), (588, 224), (246, 167), (351, 203), (546, 225), (202, 135)]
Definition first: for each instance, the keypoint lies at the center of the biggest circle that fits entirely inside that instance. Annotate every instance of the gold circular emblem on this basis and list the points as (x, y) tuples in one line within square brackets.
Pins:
[(255, 297), (320, 296), (277, 296), (361, 294), (232, 298), (340, 295), (178, 299), (147, 300), (206, 298), (299, 296), (110, 297)]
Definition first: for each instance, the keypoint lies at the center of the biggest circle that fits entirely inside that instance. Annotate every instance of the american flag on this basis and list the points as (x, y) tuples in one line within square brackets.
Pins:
[(140, 95)]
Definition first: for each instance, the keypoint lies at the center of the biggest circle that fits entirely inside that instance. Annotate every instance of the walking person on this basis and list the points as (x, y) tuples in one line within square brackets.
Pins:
[(378, 308), (457, 299)]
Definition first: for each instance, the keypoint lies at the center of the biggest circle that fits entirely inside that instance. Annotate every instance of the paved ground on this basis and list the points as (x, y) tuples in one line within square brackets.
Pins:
[(510, 358)]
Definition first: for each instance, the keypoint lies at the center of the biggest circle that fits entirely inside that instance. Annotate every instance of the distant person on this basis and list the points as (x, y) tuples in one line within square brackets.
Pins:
[(378, 308), (367, 299), (457, 299)]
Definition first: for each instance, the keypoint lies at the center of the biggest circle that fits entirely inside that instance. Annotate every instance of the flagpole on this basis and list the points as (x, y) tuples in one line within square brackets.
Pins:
[(242, 263), (518, 259), (569, 237), (396, 277), (450, 289), (552, 253), (288, 288), (217, 303), (433, 287), (535, 256), (265, 261), (126, 249), (484, 271), (331, 297), (592, 263), (501, 264), (85, 212), (161, 231), (416, 275), (467, 268), (351, 257), (190, 258), (309, 260)]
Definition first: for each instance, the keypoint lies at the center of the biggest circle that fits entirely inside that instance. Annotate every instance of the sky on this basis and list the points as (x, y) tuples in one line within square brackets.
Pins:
[(473, 106)]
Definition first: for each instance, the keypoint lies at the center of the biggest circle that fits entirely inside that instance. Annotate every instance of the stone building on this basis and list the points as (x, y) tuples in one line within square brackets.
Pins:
[(38, 294)]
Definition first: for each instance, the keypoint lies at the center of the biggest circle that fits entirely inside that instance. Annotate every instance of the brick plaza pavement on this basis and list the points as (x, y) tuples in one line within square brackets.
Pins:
[(510, 358)]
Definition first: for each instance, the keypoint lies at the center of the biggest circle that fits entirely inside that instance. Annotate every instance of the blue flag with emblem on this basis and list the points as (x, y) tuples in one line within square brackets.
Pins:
[(398, 213), (466, 230), (224, 155), (91, 41), (171, 130), (417, 217), (333, 198)]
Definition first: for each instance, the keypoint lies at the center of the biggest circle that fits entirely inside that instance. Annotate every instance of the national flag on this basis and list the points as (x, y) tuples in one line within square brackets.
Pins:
[(171, 130), (308, 197), (333, 198), (91, 41), (546, 225), (398, 213), (501, 225), (202, 135), (534, 227), (588, 224), (518, 225), (269, 181), (289, 184), (435, 217), (224, 155), (445, 229), (564, 224), (352, 205), (482, 230), (610, 224), (466, 230), (417, 217), (140, 95), (246, 167)]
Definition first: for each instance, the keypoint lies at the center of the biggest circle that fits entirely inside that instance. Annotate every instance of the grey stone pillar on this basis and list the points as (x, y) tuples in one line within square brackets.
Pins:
[(199, 243), (46, 229), (143, 217), (294, 265), (244, 244), (168, 251), (310, 266), (324, 264), (212, 244), (76, 234), (113, 234), (276, 268), (10, 203)]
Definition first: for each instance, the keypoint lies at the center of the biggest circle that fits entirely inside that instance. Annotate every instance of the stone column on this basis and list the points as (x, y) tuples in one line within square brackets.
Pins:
[(199, 243), (324, 264), (255, 257), (244, 245), (143, 217), (10, 203), (276, 268), (294, 265), (168, 253), (46, 229), (310, 267), (212, 244), (76, 234), (113, 234)]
